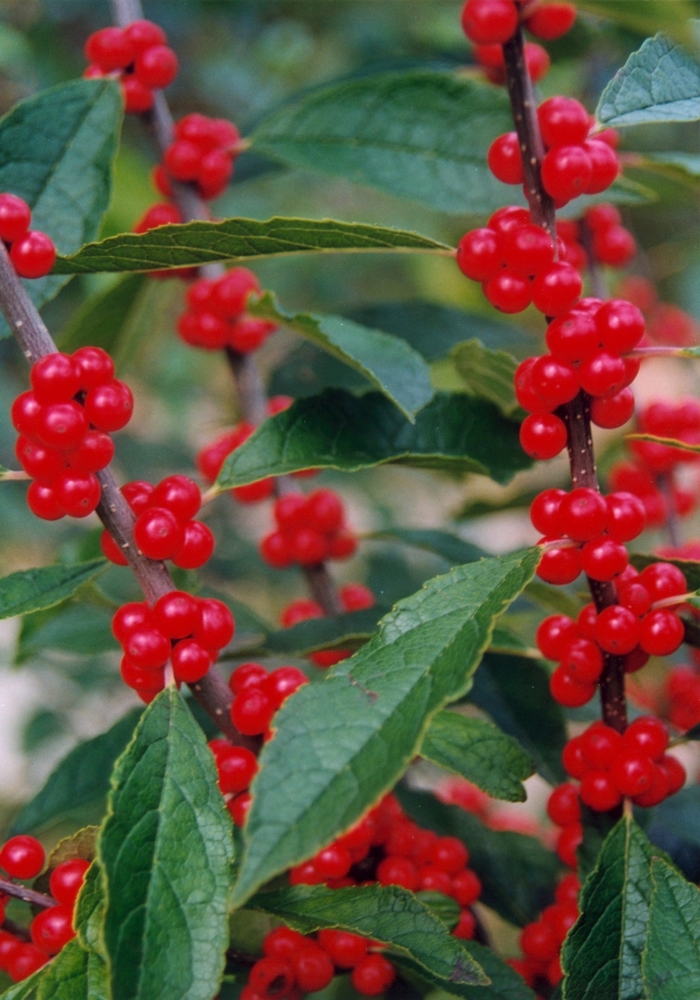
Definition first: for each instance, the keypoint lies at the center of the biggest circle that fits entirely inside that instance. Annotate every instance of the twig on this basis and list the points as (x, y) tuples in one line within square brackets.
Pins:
[(8, 888), (10, 927), (576, 414)]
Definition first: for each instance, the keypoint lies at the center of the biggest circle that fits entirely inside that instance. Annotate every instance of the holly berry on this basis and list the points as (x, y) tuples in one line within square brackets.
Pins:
[(505, 161), (543, 436), (15, 217), (33, 255), (489, 22), (22, 857), (67, 879), (158, 533), (53, 928), (583, 514), (551, 20), (373, 976)]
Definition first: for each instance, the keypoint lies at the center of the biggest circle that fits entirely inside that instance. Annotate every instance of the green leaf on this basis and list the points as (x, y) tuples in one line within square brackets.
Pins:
[(342, 743), (671, 959), (416, 134), (66, 977), (390, 914), (552, 598), (387, 362), (602, 955), (517, 872), (35, 589), (441, 543), (339, 431), (348, 631), (514, 691), (26, 989), (81, 778), (670, 442), (195, 243), (506, 983), (103, 320), (46, 142), (89, 910), (479, 752), (166, 851), (647, 16), (658, 83), (487, 374), (74, 626)]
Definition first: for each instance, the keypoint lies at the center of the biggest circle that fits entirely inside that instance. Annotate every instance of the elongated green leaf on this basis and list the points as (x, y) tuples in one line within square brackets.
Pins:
[(194, 243), (670, 442), (487, 374), (48, 141), (104, 318), (417, 134), (388, 913), (66, 977), (26, 989), (517, 872), (440, 543), (671, 959), (479, 752), (166, 852), (340, 744), (386, 361), (602, 956), (658, 83), (89, 910), (35, 589), (339, 431), (648, 16), (80, 779), (514, 691), (74, 626)]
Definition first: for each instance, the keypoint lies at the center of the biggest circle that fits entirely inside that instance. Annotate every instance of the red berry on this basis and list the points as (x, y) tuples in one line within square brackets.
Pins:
[(143, 34), (647, 735), (356, 597), (554, 636), (248, 675), (394, 870), (449, 855), (555, 382), (344, 949), (632, 772), (66, 880), (178, 494), (602, 374), (586, 621), (489, 22), (190, 661), (324, 511), (239, 807), (308, 547), (633, 596), (583, 514), (9, 948), (110, 48), (109, 407), (615, 246), (508, 291), (24, 413), (603, 558), (557, 289), (567, 691), (215, 626), (572, 336), (141, 679), (599, 792), (283, 682), (600, 745), (158, 534), (661, 633), (466, 887), (563, 805), (55, 378), (40, 462), (22, 857), (617, 630), (283, 942), (537, 61), (147, 647), (61, 425), (572, 758), (271, 977), (137, 99), (559, 565), (94, 453), (77, 493), (176, 614), (566, 172), (182, 160), (674, 772), (568, 889), (663, 580), (543, 436), (25, 960), (524, 392), (466, 926), (215, 171), (626, 516), (53, 928), (236, 770), (544, 512), (605, 165), (551, 20), (538, 942), (138, 495), (156, 67), (248, 333), (33, 255), (276, 550), (313, 968), (333, 861), (252, 711), (128, 618), (504, 159), (15, 217), (583, 661), (373, 976), (510, 217), (42, 502), (231, 293), (563, 122), (613, 411), (197, 547), (620, 325), (570, 839)]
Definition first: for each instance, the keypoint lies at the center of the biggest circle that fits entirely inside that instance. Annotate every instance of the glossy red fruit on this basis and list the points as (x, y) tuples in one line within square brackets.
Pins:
[(566, 172), (605, 165), (248, 675), (586, 621), (239, 807), (344, 949), (620, 325), (94, 452), (15, 217), (613, 411), (110, 49), (215, 627), (614, 247), (632, 773), (489, 22), (617, 630), (396, 870), (197, 547), (324, 511), (42, 502), (567, 691), (663, 580), (283, 942), (555, 382), (600, 745), (333, 861), (466, 887), (538, 942), (158, 534), (283, 682), (137, 97), (252, 711), (236, 769), (544, 512), (563, 806), (602, 374), (176, 614), (67, 879), (563, 122), (61, 425), (554, 635), (38, 461), (22, 857), (356, 597), (505, 161), (55, 378), (109, 407), (95, 365), (559, 565), (543, 436), (603, 558), (647, 735), (231, 293), (583, 514), (572, 336), (33, 255), (156, 67), (53, 928), (551, 20), (24, 413), (583, 661), (661, 633), (524, 392), (137, 494), (511, 217), (178, 494), (248, 333), (599, 791), (140, 679), (143, 34), (508, 291), (190, 661), (271, 977), (568, 842), (77, 493), (147, 647), (313, 969), (25, 960), (557, 289)]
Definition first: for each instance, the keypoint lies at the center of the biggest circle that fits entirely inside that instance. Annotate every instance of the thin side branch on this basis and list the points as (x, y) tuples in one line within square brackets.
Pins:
[(8, 888)]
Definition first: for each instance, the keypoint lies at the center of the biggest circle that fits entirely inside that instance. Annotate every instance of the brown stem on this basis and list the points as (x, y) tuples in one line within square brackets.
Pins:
[(8, 888), (577, 414), (10, 927)]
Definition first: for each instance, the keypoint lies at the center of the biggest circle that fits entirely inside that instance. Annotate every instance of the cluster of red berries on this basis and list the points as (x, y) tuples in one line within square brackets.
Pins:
[(63, 424), (293, 965), (32, 252), (635, 628), (189, 631), (138, 56), (541, 941), (257, 694), (610, 766), (611, 242), (202, 153), (490, 23), (353, 597), (310, 529), (165, 527), (23, 858), (391, 849), (215, 317), (681, 690), (587, 347), (592, 530), (236, 767), (666, 323)]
